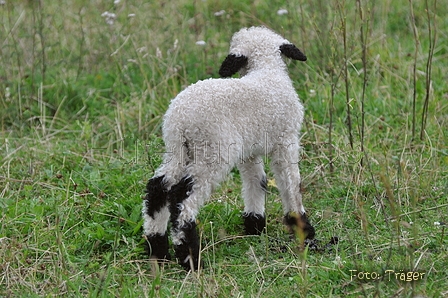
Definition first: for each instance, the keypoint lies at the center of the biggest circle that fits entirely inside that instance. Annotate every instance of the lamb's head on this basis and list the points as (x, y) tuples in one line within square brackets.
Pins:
[(257, 48)]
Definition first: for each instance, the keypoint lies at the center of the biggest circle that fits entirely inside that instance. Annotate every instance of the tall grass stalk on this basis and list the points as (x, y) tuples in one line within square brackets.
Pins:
[(343, 18), (334, 77), (41, 26), (432, 39), (414, 68), (10, 34), (38, 41), (330, 125), (81, 42), (364, 31)]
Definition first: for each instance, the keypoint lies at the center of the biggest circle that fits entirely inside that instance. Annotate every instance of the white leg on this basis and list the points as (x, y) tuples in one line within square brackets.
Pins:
[(254, 185), (254, 190), (287, 176)]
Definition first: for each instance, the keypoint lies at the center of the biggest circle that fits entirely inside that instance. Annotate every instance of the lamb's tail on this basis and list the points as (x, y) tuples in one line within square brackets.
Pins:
[(176, 159)]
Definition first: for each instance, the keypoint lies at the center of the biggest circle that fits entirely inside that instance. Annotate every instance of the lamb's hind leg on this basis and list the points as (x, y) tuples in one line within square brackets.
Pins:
[(156, 215), (287, 176), (183, 220), (254, 190), (186, 198)]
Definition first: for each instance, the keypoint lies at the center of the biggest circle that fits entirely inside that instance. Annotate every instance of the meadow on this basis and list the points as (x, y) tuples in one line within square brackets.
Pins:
[(84, 86)]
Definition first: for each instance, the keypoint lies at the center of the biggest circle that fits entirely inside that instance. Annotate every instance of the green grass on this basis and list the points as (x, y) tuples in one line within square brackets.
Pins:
[(81, 103)]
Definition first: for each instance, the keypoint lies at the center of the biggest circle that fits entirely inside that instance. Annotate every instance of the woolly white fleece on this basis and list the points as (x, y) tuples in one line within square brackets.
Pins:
[(216, 124)]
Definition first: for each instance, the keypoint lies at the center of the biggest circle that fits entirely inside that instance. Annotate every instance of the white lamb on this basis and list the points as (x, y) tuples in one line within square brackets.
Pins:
[(217, 124)]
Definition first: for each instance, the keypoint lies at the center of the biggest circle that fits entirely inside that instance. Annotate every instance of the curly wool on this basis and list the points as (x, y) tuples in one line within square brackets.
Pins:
[(217, 124)]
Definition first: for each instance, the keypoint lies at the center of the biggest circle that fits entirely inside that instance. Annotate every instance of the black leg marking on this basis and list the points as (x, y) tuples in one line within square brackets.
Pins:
[(156, 195), (177, 194), (300, 224), (157, 246), (187, 253), (254, 224)]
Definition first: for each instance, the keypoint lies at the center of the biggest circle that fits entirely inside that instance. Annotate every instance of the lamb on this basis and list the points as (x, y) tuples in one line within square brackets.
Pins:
[(217, 124)]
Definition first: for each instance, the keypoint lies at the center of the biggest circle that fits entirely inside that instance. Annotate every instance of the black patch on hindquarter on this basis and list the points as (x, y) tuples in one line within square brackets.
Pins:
[(156, 195), (231, 65), (300, 222), (157, 246), (254, 224)]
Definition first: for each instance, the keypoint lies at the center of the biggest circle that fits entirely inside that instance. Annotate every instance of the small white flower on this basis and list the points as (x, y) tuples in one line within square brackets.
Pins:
[(219, 201), (7, 92), (338, 261), (109, 16), (437, 189), (158, 53), (201, 43), (2, 2), (312, 92), (131, 15), (436, 223), (282, 11), (91, 92), (220, 13), (176, 42), (116, 2), (141, 50)]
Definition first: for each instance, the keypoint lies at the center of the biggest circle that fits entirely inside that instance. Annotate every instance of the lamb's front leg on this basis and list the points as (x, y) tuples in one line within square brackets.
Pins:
[(156, 215), (254, 190), (288, 181)]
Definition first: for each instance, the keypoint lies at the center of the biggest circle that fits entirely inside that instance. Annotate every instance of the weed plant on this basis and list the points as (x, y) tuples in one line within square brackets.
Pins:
[(82, 95)]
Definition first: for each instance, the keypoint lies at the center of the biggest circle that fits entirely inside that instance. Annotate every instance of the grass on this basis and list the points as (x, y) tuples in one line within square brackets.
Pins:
[(81, 103)]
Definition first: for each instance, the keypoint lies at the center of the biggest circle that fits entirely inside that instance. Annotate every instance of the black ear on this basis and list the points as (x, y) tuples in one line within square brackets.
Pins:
[(291, 51), (231, 65)]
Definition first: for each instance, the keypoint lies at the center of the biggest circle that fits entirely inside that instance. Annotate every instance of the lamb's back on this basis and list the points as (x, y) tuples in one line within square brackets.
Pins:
[(247, 107)]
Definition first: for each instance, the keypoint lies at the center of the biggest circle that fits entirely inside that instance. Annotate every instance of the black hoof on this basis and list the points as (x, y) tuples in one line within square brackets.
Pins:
[(156, 246), (254, 224), (187, 253), (300, 225)]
